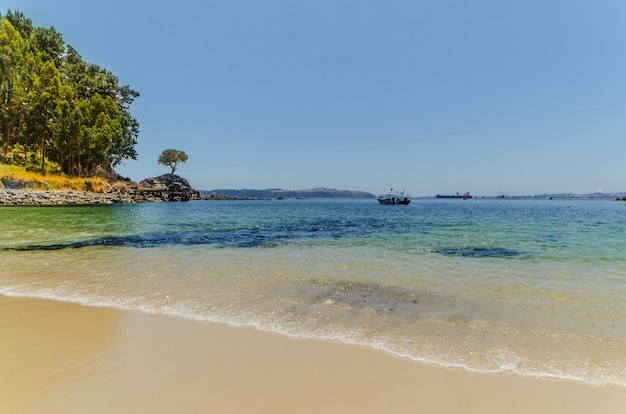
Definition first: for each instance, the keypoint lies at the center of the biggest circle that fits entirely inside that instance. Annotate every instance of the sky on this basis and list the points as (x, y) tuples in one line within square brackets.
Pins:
[(516, 97)]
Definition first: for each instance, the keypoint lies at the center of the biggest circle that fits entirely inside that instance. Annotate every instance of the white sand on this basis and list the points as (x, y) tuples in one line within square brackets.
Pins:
[(66, 358)]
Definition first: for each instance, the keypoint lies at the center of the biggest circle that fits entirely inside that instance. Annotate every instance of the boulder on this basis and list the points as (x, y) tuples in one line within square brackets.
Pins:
[(176, 186)]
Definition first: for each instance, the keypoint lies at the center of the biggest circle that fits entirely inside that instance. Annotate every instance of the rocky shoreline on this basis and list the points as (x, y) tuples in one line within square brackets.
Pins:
[(164, 188), (9, 197)]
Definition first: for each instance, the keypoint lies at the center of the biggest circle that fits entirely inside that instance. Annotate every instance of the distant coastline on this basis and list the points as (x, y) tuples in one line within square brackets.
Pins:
[(558, 196), (281, 193), (29, 197)]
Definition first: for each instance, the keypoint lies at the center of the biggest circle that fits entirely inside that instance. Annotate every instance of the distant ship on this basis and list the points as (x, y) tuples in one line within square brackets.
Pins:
[(465, 196)]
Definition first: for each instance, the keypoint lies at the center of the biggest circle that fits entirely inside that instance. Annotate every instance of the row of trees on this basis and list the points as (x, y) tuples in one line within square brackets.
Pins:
[(55, 107)]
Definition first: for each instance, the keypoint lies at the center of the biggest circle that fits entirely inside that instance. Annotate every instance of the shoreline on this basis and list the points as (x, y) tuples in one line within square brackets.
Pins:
[(64, 357), (12, 197)]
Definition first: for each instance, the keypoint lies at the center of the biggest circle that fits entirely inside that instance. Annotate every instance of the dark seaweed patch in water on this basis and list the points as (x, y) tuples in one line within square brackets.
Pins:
[(245, 237), (232, 238), (479, 251)]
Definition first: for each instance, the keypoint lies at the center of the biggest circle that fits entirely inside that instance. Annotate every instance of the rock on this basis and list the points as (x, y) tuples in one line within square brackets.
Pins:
[(177, 187), (166, 182)]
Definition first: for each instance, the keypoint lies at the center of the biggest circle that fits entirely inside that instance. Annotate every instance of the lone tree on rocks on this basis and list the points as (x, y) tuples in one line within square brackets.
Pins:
[(172, 158)]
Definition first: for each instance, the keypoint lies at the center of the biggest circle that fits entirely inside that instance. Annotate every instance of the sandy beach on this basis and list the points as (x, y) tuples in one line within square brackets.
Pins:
[(66, 358)]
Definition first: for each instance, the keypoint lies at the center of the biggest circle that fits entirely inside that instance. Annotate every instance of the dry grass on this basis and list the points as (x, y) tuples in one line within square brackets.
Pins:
[(18, 177)]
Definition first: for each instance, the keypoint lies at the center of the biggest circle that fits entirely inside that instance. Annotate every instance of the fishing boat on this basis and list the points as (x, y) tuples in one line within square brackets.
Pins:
[(393, 198)]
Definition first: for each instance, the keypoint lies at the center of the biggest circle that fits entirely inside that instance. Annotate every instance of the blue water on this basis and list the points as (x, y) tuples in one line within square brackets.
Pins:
[(537, 287)]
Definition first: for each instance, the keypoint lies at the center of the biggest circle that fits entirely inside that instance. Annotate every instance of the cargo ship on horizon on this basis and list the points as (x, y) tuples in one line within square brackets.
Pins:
[(465, 196)]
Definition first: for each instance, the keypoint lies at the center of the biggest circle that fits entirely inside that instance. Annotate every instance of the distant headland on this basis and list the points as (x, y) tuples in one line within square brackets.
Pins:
[(282, 193)]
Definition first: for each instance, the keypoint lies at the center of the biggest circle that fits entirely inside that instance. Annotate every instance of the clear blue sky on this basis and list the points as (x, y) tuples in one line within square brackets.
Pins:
[(486, 96)]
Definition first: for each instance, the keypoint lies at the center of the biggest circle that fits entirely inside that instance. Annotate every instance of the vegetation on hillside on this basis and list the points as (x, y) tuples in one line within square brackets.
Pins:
[(17, 177), (59, 113)]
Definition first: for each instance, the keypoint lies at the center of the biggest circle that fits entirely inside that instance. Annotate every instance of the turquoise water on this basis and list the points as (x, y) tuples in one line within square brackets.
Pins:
[(533, 287)]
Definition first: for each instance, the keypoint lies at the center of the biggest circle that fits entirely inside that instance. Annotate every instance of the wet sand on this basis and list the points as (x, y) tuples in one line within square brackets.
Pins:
[(67, 358)]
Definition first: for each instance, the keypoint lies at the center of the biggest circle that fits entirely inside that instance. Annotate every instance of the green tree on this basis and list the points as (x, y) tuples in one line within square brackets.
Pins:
[(94, 84), (55, 108), (172, 158), (42, 113), (13, 83)]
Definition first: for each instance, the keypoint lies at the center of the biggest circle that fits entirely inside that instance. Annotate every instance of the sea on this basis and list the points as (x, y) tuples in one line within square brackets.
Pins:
[(532, 287)]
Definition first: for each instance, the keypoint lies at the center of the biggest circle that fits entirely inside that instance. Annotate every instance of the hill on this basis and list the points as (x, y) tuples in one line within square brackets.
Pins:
[(279, 192)]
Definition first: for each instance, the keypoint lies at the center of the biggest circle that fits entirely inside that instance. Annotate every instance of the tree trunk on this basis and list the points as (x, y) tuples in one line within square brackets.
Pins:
[(43, 159)]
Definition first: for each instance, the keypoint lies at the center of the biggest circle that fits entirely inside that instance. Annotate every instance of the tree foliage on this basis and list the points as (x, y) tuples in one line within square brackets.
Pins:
[(55, 107), (172, 158)]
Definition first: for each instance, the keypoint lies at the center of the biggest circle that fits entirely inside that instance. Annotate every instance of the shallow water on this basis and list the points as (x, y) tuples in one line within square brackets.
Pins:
[(535, 287)]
